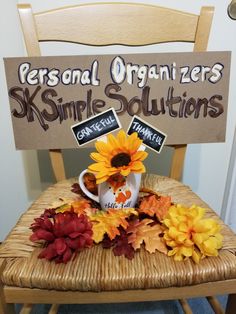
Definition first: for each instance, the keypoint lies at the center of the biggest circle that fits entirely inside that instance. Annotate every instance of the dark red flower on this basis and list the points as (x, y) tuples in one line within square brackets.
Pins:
[(49, 252), (63, 233), (42, 234)]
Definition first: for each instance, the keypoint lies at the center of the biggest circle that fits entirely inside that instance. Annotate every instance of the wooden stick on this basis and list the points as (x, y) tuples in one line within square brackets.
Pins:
[(57, 164), (215, 304), (185, 306), (178, 162), (54, 308), (27, 308)]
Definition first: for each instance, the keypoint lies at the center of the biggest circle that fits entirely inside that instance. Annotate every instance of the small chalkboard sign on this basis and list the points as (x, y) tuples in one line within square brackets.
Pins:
[(96, 126), (151, 137)]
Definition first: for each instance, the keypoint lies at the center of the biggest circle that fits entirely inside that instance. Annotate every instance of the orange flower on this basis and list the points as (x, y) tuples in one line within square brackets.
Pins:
[(120, 155), (189, 235)]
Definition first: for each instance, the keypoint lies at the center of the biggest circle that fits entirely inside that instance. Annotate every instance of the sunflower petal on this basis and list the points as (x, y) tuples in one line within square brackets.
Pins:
[(138, 166), (102, 174), (104, 149), (113, 141), (121, 137), (134, 145), (101, 180), (98, 157), (125, 172), (139, 155), (97, 167)]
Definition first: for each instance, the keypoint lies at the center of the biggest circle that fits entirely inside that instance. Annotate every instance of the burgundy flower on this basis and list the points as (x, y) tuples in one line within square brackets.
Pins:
[(63, 233), (41, 234)]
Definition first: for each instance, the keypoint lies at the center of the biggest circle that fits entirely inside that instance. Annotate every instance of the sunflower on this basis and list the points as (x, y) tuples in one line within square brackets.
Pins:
[(119, 155)]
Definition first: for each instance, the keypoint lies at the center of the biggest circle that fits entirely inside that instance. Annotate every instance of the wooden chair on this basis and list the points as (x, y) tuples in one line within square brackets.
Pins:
[(100, 25)]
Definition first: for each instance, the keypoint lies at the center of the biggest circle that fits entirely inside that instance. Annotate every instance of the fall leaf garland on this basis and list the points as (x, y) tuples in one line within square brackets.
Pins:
[(157, 224)]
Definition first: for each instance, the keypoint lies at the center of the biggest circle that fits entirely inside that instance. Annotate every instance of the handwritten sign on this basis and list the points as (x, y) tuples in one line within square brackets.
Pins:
[(183, 94), (151, 137), (95, 127)]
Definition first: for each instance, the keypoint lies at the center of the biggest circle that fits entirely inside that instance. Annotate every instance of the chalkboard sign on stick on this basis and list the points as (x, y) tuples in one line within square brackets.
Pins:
[(151, 137), (96, 127)]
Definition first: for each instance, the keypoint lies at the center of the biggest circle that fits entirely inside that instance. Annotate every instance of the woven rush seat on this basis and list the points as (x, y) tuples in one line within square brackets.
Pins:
[(97, 269)]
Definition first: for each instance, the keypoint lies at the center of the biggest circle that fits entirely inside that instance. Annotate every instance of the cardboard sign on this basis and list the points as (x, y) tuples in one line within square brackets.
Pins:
[(183, 94), (151, 137), (95, 127)]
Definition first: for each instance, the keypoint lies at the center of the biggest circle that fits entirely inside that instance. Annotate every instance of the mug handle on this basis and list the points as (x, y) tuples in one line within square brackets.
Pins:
[(84, 189)]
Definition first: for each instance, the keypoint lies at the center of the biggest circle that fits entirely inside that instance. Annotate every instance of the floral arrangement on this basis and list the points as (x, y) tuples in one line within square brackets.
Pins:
[(121, 155), (155, 222)]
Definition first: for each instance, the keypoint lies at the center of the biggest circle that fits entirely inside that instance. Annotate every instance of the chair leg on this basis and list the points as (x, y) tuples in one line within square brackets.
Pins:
[(54, 309), (231, 304), (26, 309), (215, 304), (185, 306), (5, 308)]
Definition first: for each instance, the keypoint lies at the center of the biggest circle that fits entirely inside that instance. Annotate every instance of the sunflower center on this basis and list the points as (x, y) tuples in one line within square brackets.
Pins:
[(120, 160)]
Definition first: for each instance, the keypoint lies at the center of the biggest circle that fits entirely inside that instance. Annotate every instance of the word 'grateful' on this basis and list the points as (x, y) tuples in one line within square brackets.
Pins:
[(97, 126)]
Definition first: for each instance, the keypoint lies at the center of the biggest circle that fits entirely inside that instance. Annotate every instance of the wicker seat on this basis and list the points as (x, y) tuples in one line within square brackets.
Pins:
[(98, 269), (27, 279)]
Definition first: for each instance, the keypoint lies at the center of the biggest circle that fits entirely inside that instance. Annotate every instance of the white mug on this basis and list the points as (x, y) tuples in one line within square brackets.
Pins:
[(110, 196)]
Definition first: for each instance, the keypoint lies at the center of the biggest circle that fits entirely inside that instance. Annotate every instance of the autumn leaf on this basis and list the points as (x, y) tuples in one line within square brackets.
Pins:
[(78, 206), (119, 245), (109, 221), (123, 247), (143, 231), (155, 205)]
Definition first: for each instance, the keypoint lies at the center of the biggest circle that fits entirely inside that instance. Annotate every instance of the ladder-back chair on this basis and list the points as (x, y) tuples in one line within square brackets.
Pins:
[(23, 276)]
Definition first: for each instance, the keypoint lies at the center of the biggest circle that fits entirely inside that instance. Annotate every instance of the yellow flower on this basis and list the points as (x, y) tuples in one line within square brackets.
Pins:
[(189, 235), (119, 155)]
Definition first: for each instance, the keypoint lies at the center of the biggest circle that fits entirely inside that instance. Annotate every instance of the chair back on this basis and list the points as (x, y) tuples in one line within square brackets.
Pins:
[(103, 24)]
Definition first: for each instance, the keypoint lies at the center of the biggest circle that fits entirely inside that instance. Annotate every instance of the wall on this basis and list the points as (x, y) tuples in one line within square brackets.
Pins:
[(22, 179), (13, 189), (229, 201)]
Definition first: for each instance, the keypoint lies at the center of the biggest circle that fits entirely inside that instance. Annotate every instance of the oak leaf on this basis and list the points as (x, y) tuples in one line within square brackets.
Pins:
[(145, 231), (154, 205), (107, 222)]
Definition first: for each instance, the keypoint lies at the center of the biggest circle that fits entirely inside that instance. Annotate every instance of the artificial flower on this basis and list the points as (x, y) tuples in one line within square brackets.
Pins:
[(120, 155), (63, 234), (189, 235)]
